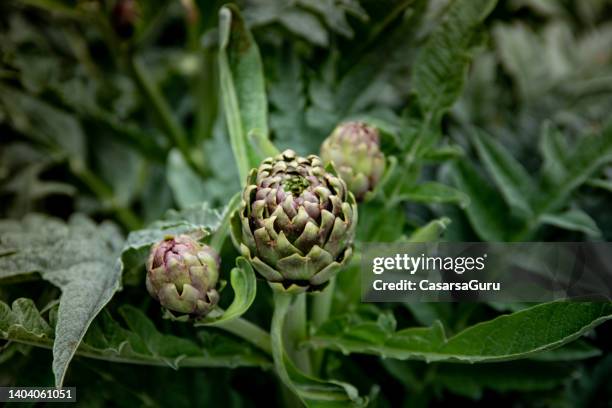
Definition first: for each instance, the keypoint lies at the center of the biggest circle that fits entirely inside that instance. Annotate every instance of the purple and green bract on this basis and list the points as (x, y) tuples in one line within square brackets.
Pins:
[(296, 223), (182, 275), (354, 148)]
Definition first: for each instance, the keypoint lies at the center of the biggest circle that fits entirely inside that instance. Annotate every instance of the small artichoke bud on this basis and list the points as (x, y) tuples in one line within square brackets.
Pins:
[(354, 148), (182, 275), (296, 223)]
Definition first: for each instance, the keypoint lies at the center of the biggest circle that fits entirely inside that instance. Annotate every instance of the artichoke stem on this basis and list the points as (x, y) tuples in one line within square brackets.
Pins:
[(246, 330), (296, 331), (282, 301), (321, 308)]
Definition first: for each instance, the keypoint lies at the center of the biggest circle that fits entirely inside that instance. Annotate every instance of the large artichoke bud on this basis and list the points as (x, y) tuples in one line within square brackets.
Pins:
[(182, 275), (354, 148), (297, 222)]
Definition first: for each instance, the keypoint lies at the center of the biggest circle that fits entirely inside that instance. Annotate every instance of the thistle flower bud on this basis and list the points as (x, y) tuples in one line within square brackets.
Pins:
[(182, 275), (354, 148), (296, 223)]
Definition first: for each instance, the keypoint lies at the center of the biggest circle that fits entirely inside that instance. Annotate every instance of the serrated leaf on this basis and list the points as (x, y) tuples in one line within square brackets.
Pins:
[(441, 66), (573, 220), (589, 155), (198, 219), (141, 343), (509, 175), (486, 206), (79, 257), (23, 322), (508, 337)]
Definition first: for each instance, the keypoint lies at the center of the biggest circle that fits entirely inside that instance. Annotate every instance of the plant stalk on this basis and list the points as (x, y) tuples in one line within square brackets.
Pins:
[(282, 302), (296, 332), (248, 331), (321, 308), (167, 120)]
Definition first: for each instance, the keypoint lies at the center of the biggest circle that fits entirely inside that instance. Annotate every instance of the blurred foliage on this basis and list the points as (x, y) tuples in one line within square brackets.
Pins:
[(496, 117)]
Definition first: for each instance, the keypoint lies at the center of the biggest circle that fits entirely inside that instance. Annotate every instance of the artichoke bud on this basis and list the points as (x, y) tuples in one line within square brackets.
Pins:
[(296, 222), (182, 275), (354, 148)]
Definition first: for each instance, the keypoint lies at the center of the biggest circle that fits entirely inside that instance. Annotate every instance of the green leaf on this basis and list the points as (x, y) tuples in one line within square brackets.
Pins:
[(589, 155), (604, 184), (431, 231), (26, 166), (305, 25), (577, 350), (140, 343), (78, 257), (187, 186), (510, 177), (244, 284), (199, 220), (554, 150), (23, 322), (243, 91), (223, 228), (486, 206), (573, 220), (508, 337), (43, 122), (471, 381), (441, 66), (432, 192), (311, 391), (444, 153)]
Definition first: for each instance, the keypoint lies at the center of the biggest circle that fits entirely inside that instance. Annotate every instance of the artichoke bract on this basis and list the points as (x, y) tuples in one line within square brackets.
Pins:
[(354, 148), (182, 275), (296, 222)]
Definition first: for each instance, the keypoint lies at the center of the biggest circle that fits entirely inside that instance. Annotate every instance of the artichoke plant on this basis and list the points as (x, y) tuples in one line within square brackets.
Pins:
[(296, 222), (354, 148), (182, 275)]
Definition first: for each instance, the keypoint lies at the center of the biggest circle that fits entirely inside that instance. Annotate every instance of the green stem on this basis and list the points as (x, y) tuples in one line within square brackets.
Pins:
[(248, 331), (170, 125), (222, 231), (139, 359), (281, 306), (321, 308), (296, 333), (207, 96), (322, 302)]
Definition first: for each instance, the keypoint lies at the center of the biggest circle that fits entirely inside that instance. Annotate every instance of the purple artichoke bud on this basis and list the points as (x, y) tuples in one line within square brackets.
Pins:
[(182, 275), (354, 148), (297, 222)]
